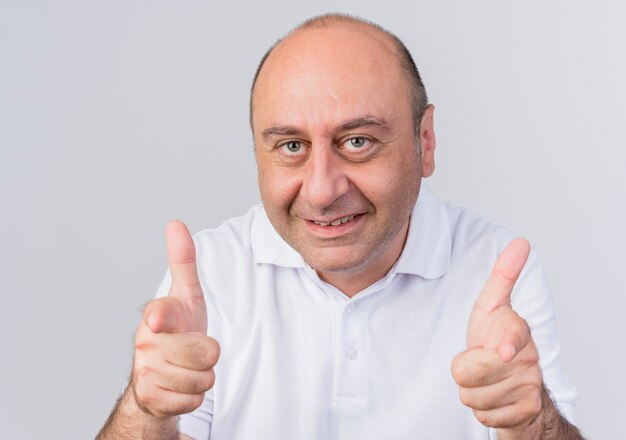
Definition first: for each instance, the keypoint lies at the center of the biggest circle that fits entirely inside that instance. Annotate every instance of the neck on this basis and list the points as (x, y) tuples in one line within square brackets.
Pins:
[(352, 282)]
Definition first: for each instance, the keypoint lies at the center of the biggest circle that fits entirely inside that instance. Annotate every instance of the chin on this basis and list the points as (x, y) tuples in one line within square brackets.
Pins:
[(333, 261)]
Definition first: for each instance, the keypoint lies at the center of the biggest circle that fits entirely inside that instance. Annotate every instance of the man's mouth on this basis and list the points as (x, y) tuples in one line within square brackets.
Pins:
[(337, 222)]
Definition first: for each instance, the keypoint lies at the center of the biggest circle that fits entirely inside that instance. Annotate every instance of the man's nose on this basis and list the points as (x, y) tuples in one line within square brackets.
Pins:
[(324, 179)]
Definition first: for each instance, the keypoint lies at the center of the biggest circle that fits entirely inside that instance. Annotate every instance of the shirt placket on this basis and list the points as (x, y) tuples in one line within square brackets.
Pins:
[(351, 372)]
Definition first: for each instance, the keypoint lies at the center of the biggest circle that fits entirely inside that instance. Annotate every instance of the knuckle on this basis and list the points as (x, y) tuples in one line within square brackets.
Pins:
[(459, 369), (535, 405), (145, 339), (160, 408), (483, 417), (535, 381), (534, 410), (526, 327), (149, 401), (189, 404), (214, 350), (142, 337), (142, 343), (203, 352), (532, 380), (200, 382), (143, 395), (525, 413), (212, 353), (143, 374), (533, 357), (529, 409), (183, 383), (521, 326), (464, 396), (517, 330), (470, 374), (152, 306), (194, 382), (209, 378), (198, 352), (195, 401)]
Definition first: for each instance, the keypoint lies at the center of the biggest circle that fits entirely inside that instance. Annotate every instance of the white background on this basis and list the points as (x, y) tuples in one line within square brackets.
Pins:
[(117, 116)]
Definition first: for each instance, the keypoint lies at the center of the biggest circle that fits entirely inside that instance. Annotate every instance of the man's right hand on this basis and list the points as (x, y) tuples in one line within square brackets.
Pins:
[(174, 357)]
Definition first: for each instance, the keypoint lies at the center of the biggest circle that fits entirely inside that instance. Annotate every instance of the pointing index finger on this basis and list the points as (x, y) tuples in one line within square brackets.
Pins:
[(506, 270)]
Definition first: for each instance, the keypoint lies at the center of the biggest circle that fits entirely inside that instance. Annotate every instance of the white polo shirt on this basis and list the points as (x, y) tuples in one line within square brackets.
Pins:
[(301, 360)]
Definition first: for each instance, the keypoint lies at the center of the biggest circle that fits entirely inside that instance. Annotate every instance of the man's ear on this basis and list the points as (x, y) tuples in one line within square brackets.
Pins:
[(427, 141)]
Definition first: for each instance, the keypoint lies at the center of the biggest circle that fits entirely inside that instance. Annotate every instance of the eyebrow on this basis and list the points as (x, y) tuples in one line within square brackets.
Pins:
[(281, 130), (365, 121)]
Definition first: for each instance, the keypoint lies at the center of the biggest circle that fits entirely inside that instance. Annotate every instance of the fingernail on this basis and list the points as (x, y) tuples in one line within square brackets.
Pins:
[(508, 353), (150, 321)]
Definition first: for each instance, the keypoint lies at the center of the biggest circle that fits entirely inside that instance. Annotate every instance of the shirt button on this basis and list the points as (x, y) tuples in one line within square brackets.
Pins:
[(351, 353), (350, 309)]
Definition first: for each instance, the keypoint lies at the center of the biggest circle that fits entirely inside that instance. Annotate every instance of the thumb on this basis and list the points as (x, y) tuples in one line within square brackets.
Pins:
[(184, 308), (497, 290), (165, 314), (181, 257)]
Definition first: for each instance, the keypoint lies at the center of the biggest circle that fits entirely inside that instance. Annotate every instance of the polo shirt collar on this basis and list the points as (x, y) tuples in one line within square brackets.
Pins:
[(428, 246), (268, 247), (426, 252)]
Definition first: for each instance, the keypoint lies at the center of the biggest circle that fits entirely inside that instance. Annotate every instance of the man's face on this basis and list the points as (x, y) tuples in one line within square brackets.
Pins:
[(338, 167)]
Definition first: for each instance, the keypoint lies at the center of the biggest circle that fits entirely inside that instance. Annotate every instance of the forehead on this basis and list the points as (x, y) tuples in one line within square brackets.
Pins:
[(318, 76)]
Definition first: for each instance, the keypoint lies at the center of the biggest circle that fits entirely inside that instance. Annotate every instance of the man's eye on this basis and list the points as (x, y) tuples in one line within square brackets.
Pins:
[(356, 143), (292, 147)]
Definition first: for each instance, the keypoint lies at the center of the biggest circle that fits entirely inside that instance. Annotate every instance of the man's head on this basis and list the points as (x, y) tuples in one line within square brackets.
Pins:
[(416, 89), (336, 117)]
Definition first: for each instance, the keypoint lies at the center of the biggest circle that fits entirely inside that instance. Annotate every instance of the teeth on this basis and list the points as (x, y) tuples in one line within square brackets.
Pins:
[(336, 222)]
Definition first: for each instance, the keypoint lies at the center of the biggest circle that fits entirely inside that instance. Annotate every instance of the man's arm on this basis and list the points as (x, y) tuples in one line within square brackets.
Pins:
[(499, 374), (549, 424), (174, 357), (128, 421)]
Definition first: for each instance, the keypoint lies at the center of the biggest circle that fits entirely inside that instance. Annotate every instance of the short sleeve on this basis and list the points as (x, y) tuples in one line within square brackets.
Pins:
[(532, 300)]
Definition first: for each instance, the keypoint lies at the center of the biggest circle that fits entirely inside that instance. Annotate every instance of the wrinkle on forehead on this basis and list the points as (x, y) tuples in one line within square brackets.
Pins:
[(326, 86)]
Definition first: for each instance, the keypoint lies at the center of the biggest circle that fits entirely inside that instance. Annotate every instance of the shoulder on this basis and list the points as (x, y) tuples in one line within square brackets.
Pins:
[(227, 270), (227, 250), (232, 236), (472, 233), (477, 242), (474, 244)]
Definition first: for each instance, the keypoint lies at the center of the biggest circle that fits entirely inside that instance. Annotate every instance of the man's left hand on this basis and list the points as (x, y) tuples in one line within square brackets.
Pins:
[(499, 372)]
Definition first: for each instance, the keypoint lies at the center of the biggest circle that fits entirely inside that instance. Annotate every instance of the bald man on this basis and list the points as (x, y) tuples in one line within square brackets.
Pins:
[(341, 304)]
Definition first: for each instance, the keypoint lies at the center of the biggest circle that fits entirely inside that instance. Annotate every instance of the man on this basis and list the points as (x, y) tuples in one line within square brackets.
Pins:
[(341, 305)]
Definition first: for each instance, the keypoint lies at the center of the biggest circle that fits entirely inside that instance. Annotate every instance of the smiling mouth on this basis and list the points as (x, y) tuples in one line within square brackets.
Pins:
[(337, 222)]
